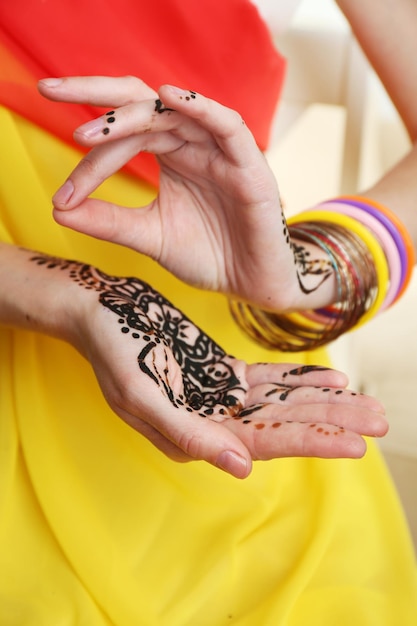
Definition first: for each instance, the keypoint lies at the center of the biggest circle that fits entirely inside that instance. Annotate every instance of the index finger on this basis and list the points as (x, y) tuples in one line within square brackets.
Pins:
[(101, 91)]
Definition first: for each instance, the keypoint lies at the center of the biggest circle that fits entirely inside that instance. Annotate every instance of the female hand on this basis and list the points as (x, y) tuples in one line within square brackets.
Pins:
[(216, 222), (167, 379)]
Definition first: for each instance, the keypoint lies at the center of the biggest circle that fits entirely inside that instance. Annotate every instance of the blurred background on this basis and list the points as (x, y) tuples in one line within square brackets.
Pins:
[(335, 132)]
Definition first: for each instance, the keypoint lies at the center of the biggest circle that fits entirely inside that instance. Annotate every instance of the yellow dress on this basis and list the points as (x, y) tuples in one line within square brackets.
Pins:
[(98, 528)]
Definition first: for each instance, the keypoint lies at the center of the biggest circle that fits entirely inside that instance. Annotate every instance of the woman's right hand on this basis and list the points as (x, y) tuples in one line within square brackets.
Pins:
[(217, 221)]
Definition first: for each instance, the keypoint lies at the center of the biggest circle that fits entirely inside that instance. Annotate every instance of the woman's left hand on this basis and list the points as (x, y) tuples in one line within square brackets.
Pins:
[(216, 222), (177, 387)]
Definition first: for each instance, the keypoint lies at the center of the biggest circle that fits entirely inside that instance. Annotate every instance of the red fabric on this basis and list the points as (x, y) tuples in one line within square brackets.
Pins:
[(220, 48)]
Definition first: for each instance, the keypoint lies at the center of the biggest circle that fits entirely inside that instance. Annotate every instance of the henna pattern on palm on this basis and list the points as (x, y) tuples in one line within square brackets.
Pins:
[(210, 385), (209, 382), (160, 106)]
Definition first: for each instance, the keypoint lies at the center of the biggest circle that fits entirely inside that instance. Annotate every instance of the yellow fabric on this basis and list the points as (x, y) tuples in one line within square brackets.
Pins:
[(98, 528)]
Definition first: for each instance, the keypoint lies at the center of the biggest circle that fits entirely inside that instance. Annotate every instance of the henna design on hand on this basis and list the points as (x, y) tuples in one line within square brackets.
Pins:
[(160, 107), (110, 119), (192, 96), (285, 390), (306, 266), (310, 267), (209, 382), (305, 369)]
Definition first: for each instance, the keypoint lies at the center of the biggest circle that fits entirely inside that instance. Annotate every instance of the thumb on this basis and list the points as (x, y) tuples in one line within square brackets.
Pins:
[(135, 228)]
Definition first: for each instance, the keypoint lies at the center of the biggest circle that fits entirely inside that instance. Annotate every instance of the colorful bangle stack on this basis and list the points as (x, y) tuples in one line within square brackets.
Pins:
[(372, 256), (396, 230)]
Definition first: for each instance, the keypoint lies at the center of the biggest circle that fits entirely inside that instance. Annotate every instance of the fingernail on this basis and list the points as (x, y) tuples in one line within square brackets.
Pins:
[(233, 464), (90, 129), (177, 90), (64, 193), (52, 82), (186, 93)]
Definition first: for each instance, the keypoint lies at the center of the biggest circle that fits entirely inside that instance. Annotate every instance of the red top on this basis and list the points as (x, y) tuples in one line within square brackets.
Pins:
[(222, 49)]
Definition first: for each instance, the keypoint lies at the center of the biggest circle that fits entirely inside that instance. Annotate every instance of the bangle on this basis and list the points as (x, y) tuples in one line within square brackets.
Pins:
[(356, 280), (387, 242), (372, 256), (372, 245), (396, 228)]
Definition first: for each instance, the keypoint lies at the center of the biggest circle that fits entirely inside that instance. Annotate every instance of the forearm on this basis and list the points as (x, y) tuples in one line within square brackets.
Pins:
[(397, 189), (387, 33)]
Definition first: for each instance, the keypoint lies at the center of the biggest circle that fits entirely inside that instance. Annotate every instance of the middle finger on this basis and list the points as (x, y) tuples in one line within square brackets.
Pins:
[(140, 118)]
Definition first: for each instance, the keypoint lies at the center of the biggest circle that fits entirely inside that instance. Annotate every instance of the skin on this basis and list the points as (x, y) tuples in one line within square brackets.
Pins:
[(237, 213), (387, 32), (259, 411), (216, 192), (216, 181)]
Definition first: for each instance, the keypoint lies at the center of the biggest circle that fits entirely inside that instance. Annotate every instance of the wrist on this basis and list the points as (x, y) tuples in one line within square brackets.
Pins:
[(36, 299)]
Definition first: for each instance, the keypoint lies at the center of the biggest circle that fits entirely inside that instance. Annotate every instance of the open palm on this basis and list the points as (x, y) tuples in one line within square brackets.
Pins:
[(166, 378)]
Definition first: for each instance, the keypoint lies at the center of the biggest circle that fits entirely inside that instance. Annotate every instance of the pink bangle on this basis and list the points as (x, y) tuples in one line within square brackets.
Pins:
[(388, 244)]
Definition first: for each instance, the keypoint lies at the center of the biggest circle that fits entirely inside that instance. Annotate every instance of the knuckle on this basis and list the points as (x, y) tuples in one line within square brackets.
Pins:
[(88, 166), (191, 444), (132, 82), (119, 398), (136, 88)]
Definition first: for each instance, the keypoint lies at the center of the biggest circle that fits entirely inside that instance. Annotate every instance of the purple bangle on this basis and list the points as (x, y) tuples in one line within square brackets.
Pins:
[(388, 225), (388, 244)]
